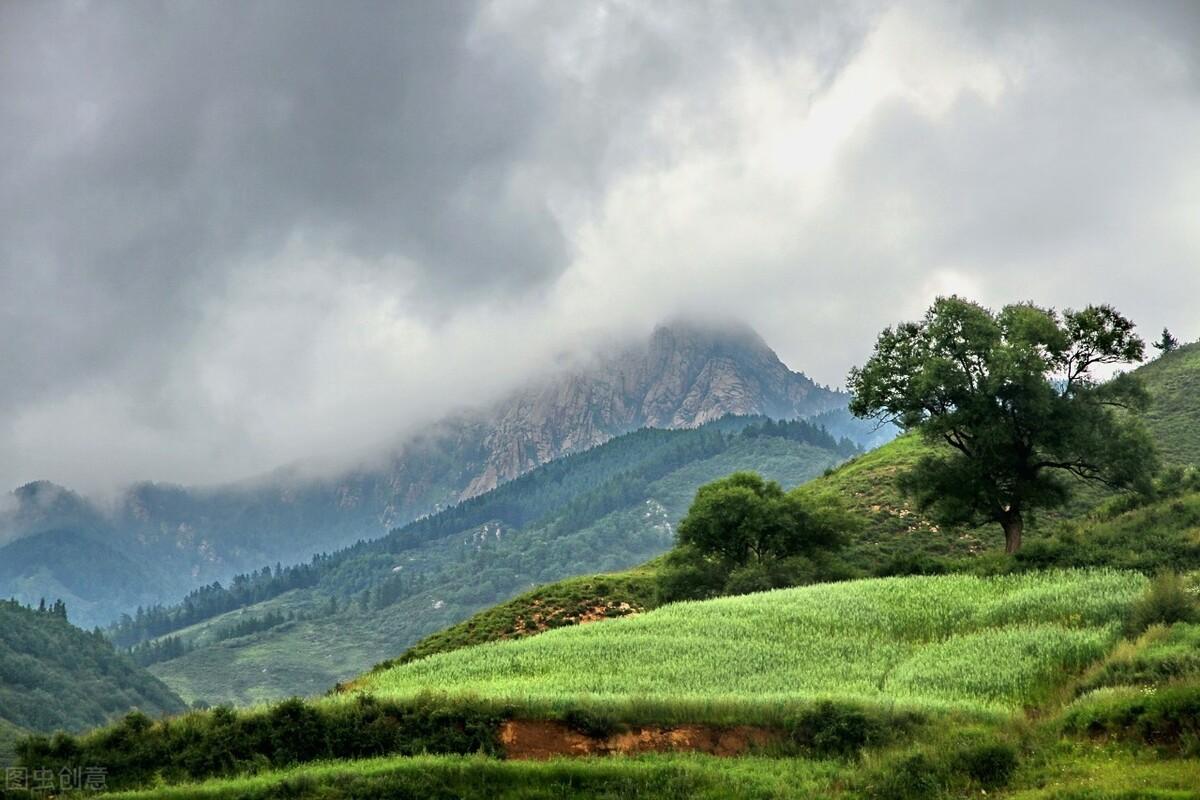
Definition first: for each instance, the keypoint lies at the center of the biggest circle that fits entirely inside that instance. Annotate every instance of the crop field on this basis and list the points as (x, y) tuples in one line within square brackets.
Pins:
[(986, 645)]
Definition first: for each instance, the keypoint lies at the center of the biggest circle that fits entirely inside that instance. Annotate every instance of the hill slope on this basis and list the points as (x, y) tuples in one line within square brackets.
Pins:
[(81, 569), (1174, 415), (897, 539), (986, 644), (54, 676), (608, 508)]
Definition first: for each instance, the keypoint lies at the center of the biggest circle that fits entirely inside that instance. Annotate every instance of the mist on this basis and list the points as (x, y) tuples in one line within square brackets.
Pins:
[(291, 233)]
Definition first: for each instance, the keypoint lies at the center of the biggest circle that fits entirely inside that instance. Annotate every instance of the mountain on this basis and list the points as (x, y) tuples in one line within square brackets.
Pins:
[(682, 376), (81, 569), (297, 631), (54, 676)]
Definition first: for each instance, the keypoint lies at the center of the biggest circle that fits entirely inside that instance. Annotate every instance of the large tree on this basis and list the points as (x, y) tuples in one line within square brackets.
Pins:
[(744, 533), (1015, 404), (743, 517)]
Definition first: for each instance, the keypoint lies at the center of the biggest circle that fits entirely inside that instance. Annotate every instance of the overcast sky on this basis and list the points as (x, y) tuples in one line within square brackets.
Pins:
[(233, 235)]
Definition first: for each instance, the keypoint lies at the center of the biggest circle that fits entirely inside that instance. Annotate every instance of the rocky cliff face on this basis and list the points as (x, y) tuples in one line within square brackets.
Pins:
[(685, 375)]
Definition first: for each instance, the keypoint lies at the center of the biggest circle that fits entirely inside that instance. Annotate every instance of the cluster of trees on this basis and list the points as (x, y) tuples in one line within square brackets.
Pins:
[(745, 534), (798, 430), (58, 608), (1011, 399), (154, 651), (213, 600), (171, 647)]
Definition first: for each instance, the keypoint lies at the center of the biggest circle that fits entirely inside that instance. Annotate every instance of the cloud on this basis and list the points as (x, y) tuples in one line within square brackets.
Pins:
[(235, 239)]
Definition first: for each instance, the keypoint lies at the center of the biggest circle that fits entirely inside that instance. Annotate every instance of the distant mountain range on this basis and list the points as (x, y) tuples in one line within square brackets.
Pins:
[(160, 540)]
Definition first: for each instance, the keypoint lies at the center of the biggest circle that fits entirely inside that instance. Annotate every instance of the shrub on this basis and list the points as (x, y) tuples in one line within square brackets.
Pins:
[(832, 729), (914, 776), (1169, 716), (911, 564), (1166, 601), (687, 575), (990, 764), (138, 751)]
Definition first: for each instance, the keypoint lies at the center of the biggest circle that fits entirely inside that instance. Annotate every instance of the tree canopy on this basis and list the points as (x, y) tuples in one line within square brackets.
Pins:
[(743, 517), (743, 533), (1015, 400)]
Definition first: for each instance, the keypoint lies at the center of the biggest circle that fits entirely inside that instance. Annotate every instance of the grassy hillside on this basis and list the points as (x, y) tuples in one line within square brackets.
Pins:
[(1146, 538), (882, 689), (978, 644), (1174, 415), (609, 509), (1092, 773), (573, 601)]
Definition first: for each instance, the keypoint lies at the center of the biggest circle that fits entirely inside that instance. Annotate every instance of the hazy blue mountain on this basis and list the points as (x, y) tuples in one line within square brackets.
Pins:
[(180, 537)]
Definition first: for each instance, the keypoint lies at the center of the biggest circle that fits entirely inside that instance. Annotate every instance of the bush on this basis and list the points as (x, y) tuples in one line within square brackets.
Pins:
[(911, 564), (915, 776), (832, 729), (138, 751), (990, 764), (598, 724), (1167, 717), (959, 763), (1166, 601)]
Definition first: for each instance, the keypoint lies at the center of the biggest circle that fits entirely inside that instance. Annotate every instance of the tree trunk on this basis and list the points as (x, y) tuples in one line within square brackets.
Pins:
[(1013, 525)]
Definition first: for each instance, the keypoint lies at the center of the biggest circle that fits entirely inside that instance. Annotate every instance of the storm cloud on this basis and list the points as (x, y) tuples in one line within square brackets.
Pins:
[(237, 236)]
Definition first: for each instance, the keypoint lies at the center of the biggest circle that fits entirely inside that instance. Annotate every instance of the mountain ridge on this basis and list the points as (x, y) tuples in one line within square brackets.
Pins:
[(683, 375)]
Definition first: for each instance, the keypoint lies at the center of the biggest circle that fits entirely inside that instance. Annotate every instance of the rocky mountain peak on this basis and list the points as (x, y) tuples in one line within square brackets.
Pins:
[(683, 375)]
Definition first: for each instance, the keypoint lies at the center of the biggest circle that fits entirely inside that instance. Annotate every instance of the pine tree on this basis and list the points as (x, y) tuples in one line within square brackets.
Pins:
[(1166, 343)]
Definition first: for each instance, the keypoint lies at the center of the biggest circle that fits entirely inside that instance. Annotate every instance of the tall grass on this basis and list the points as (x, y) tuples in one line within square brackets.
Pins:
[(977, 644)]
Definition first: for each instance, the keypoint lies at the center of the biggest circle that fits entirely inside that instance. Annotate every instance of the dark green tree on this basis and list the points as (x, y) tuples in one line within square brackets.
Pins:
[(743, 533), (742, 518), (1166, 343), (1013, 399)]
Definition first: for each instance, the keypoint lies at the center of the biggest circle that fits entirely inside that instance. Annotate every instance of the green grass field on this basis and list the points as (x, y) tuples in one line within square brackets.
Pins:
[(976, 644), (476, 778), (1072, 770)]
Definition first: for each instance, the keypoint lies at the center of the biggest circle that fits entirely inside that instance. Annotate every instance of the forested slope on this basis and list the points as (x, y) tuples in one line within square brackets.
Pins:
[(606, 509), (54, 676)]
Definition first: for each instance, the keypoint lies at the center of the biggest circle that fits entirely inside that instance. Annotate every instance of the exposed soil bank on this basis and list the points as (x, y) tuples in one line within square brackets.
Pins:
[(541, 739)]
